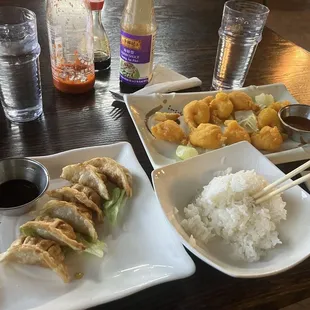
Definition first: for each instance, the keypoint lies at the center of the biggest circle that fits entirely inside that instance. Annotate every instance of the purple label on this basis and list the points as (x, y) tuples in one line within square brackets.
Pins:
[(135, 49), (135, 54)]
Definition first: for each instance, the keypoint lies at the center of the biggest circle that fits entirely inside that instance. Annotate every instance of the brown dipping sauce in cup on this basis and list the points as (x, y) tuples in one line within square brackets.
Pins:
[(17, 192), (298, 122)]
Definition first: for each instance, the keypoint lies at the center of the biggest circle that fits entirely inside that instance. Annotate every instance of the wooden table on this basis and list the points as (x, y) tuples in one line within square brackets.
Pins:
[(186, 42)]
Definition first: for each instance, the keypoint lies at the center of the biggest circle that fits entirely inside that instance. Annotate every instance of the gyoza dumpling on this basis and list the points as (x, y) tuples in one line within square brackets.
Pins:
[(115, 172), (86, 175), (73, 195), (37, 251), (52, 229), (78, 217), (90, 193)]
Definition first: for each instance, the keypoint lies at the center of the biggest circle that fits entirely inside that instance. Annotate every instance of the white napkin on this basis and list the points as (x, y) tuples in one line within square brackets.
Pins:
[(165, 80)]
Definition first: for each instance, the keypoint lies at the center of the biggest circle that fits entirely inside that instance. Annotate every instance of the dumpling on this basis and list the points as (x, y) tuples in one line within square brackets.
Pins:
[(114, 172), (37, 251), (52, 229), (86, 175), (73, 195), (78, 217), (90, 193)]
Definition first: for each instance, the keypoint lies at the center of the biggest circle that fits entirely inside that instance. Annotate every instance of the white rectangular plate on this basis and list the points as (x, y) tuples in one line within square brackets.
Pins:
[(162, 153), (142, 252), (176, 186)]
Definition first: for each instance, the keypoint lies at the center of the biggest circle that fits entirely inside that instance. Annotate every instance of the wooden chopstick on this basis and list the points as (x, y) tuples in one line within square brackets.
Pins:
[(281, 180), (283, 188)]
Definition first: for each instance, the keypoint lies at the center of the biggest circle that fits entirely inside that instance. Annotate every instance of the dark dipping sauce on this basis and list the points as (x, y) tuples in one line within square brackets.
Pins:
[(17, 192), (298, 122)]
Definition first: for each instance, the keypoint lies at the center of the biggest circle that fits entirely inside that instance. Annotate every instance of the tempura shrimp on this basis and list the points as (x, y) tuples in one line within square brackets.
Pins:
[(268, 139), (169, 131), (235, 133), (163, 116), (195, 113), (221, 108), (207, 136), (242, 101), (268, 117), (278, 105)]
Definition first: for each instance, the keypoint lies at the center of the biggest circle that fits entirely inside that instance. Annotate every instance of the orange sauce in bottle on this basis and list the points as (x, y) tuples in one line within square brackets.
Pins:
[(74, 78)]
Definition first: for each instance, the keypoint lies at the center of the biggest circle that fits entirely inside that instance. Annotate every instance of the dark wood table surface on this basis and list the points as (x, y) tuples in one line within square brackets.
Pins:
[(186, 42)]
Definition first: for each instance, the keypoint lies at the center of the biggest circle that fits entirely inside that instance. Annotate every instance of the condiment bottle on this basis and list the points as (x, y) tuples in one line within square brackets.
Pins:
[(138, 29), (102, 54), (69, 24)]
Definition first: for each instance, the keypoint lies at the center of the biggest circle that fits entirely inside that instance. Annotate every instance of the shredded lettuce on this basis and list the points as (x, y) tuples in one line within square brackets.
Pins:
[(114, 197), (95, 247), (112, 207), (247, 120), (264, 100)]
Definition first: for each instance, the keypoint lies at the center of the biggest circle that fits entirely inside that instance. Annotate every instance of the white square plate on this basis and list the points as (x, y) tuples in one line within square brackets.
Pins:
[(143, 252), (176, 186), (162, 153)]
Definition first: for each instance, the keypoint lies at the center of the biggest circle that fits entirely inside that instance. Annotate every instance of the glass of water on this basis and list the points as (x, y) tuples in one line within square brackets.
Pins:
[(20, 83), (239, 34)]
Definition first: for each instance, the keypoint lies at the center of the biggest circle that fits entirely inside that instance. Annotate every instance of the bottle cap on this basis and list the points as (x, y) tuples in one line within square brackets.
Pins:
[(96, 5)]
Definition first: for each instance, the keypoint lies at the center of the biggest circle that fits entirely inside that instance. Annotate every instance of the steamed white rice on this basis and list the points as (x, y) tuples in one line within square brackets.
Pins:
[(225, 208)]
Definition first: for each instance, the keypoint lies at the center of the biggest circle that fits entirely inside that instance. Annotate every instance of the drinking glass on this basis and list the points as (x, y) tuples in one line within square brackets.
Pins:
[(20, 83), (239, 34)]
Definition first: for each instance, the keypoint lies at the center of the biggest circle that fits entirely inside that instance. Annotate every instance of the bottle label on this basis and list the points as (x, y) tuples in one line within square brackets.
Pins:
[(136, 53)]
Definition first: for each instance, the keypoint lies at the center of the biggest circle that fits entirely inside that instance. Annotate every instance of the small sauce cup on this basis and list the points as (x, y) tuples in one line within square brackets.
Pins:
[(15, 171), (299, 111)]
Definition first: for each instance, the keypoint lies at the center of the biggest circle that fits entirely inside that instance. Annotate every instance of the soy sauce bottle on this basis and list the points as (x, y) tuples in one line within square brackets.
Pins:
[(102, 52), (138, 29)]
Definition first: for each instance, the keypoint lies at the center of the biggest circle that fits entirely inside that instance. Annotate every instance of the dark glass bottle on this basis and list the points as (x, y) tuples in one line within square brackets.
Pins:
[(102, 53)]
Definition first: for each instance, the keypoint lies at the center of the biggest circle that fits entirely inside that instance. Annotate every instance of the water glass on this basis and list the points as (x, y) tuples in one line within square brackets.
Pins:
[(20, 83), (239, 34)]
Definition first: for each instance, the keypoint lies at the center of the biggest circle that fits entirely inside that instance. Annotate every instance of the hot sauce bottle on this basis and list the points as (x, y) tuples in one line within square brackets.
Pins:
[(69, 24)]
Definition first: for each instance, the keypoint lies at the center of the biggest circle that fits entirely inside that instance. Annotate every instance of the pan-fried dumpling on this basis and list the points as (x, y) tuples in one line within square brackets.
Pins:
[(90, 193), (86, 175), (78, 217), (37, 251), (72, 195), (52, 229), (115, 172)]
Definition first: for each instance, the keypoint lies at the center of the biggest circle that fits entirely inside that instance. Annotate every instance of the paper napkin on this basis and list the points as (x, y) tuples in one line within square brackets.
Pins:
[(165, 80)]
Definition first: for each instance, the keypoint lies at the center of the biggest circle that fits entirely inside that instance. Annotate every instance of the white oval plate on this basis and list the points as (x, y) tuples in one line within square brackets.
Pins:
[(162, 153), (176, 185), (142, 252)]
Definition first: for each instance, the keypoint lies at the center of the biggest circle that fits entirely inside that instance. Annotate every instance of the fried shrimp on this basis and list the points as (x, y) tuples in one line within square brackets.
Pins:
[(235, 133), (268, 117), (163, 116), (207, 99), (207, 136), (169, 131), (242, 101), (195, 113), (278, 105), (221, 108), (268, 139)]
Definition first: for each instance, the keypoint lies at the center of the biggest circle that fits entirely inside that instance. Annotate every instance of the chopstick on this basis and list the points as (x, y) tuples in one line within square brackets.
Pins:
[(283, 188), (281, 180)]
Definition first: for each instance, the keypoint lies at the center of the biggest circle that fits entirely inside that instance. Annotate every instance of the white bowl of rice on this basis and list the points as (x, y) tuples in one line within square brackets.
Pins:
[(208, 200)]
